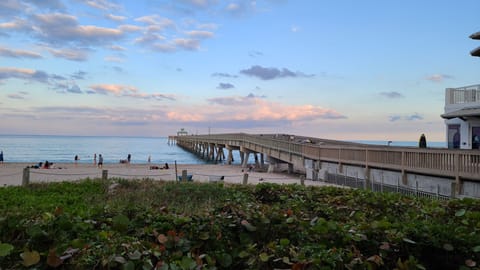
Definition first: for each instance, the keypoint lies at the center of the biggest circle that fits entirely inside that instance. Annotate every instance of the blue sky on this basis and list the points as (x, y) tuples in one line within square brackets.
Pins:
[(354, 70)]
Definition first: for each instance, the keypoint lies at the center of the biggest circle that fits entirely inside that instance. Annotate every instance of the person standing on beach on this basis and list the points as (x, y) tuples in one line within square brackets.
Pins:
[(95, 159), (100, 161), (76, 159), (1, 157), (129, 157)]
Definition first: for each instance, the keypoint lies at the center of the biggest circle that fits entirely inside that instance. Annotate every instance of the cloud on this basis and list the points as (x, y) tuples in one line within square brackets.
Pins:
[(114, 59), (24, 74), (156, 22), (118, 69), (271, 73), (20, 95), (225, 86), (295, 29), (235, 8), (198, 3), (254, 108), (438, 77), (19, 53), (151, 96), (412, 117), (62, 28), (187, 43), (223, 75), (200, 34), (163, 35), (8, 7), (47, 4), (240, 8), (392, 95), (77, 54), (255, 54), (115, 18), (101, 4), (129, 28), (393, 118), (231, 101), (150, 39), (209, 26), (79, 75), (115, 89), (74, 89), (131, 123), (127, 91), (117, 48), (170, 46), (70, 110), (18, 25)]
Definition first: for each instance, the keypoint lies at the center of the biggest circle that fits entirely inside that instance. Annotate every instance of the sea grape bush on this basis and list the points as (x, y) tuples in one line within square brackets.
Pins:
[(145, 224)]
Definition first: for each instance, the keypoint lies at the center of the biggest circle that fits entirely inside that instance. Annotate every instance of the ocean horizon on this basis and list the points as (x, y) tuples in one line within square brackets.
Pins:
[(64, 148)]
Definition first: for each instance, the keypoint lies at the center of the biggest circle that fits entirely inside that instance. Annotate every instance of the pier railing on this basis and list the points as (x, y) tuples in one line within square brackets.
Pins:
[(457, 164)]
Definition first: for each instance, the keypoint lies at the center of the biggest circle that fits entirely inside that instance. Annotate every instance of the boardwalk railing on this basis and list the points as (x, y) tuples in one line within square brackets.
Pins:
[(458, 164)]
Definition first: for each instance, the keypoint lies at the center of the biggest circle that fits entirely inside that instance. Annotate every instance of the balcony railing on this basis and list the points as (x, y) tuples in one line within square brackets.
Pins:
[(462, 95)]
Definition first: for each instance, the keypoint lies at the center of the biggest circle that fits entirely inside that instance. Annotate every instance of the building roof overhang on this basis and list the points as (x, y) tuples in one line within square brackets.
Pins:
[(475, 52), (472, 112), (475, 35)]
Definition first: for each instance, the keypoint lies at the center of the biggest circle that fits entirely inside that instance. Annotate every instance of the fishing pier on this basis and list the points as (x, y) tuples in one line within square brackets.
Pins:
[(444, 172)]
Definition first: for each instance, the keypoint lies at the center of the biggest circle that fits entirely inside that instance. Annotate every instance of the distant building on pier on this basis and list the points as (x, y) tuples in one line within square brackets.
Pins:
[(182, 132)]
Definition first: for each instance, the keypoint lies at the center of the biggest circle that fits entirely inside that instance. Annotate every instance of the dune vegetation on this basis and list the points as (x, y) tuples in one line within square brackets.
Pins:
[(144, 224)]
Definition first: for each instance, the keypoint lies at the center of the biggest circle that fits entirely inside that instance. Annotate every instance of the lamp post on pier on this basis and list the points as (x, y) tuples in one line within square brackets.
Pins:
[(475, 52)]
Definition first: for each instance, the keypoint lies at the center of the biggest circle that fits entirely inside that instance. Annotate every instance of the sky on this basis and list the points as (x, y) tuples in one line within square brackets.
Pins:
[(336, 69)]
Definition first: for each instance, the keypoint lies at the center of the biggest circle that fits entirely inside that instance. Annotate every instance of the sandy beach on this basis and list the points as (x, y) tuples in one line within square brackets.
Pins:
[(12, 173)]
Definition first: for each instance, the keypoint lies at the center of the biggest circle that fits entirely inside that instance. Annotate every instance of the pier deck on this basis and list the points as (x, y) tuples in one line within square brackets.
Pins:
[(457, 165)]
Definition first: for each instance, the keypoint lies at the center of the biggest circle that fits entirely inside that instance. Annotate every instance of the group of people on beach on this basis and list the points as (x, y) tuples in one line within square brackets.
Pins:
[(42, 165), (123, 161), (165, 167), (76, 159), (100, 160)]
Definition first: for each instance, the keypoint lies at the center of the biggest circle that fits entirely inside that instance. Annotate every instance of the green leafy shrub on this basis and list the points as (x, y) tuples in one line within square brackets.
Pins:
[(146, 224)]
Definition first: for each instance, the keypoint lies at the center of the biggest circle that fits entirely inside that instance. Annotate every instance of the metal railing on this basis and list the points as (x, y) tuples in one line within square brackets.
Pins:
[(355, 182)]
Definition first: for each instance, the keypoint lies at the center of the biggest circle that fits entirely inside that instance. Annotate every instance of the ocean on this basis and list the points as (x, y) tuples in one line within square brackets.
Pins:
[(62, 149)]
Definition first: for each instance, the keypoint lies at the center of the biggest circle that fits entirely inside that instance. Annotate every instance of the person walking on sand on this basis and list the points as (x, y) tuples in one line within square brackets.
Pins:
[(100, 161), (76, 160), (129, 157), (1, 157)]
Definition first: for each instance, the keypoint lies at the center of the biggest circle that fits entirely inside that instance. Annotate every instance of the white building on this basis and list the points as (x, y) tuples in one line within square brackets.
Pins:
[(462, 114)]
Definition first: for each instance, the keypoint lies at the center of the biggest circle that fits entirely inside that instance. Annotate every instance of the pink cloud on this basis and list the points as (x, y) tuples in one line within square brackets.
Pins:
[(115, 89), (252, 108)]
